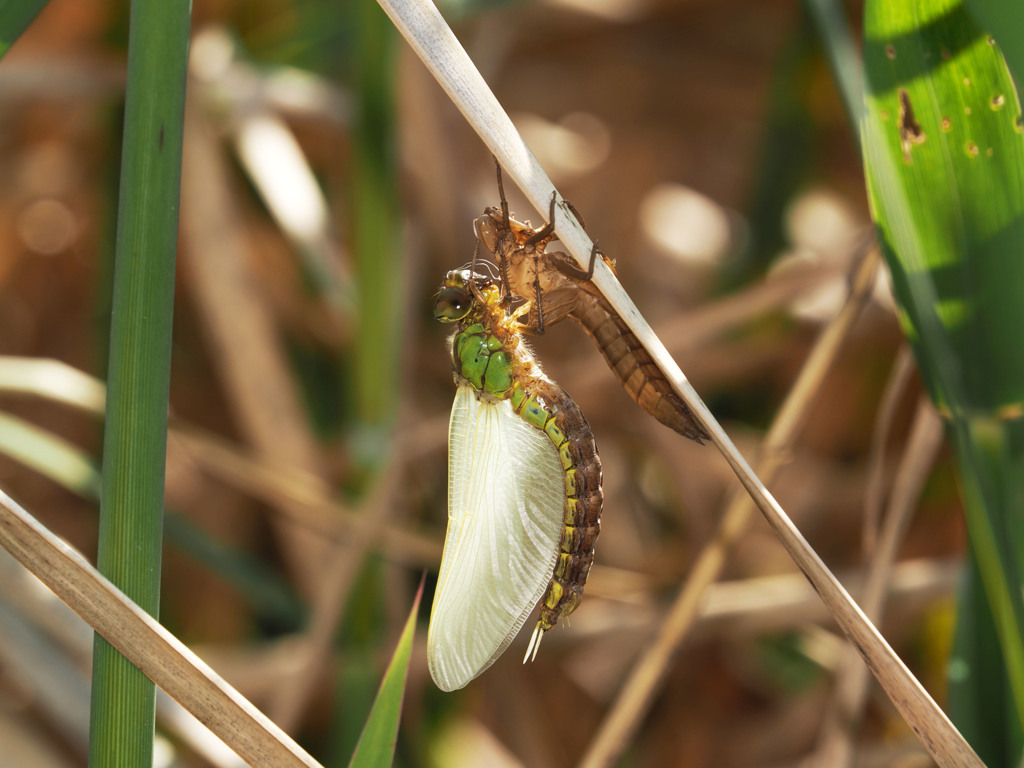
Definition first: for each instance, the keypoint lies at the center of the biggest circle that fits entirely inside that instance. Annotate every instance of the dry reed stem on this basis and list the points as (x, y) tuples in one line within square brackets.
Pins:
[(156, 652), (48, 652), (784, 602), (636, 695), (846, 706), (425, 30)]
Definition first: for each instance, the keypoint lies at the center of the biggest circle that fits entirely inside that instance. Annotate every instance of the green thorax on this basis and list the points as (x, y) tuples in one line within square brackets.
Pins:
[(480, 358)]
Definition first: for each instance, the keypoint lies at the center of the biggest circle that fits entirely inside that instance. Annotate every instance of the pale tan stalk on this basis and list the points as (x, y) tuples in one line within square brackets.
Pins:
[(156, 652), (846, 707), (642, 684)]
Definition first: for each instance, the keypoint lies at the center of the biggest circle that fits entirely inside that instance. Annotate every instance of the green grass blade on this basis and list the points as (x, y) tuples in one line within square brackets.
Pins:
[(375, 229), (840, 48), (376, 747), (980, 700), (135, 438), (786, 152), (990, 459), (15, 16), (944, 158)]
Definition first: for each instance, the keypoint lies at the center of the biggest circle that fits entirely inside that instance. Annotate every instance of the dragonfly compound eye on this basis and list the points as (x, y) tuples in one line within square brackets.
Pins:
[(452, 304)]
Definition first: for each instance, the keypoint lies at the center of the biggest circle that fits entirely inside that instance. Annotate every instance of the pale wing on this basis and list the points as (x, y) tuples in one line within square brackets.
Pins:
[(506, 496)]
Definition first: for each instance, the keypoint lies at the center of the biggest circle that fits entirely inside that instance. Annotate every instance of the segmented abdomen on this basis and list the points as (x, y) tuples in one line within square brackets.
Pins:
[(549, 407), (633, 366)]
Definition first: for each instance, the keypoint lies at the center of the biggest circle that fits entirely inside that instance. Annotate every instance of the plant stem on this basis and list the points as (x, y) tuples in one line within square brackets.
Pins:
[(843, 58), (135, 439), (375, 229)]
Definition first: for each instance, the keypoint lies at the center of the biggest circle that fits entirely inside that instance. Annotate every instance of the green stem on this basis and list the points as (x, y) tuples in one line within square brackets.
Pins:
[(843, 58), (135, 439), (376, 226), (989, 453)]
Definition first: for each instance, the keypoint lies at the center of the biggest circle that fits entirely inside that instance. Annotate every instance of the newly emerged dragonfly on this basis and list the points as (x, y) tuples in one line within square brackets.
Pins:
[(524, 490), (556, 288)]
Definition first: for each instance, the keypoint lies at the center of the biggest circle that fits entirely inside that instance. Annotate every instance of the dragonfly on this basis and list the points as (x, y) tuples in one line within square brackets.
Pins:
[(524, 489), (557, 288)]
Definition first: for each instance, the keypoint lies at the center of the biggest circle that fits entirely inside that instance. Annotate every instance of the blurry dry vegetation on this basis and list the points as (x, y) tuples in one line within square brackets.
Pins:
[(704, 143)]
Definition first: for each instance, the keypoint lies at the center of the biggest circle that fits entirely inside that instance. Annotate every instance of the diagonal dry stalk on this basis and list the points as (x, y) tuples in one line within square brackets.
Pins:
[(156, 652), (641, 686), (845, 710), (433, 41)]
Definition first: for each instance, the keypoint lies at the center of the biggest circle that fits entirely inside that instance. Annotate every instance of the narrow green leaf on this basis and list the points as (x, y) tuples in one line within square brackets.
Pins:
[(138, 384), (786, 152), (15, 16), (376, 227), (829, 17), (979, 694), (990, 457), (376, 747)]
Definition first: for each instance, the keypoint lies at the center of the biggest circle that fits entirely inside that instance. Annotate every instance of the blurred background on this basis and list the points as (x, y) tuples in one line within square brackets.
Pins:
[(328, 185)]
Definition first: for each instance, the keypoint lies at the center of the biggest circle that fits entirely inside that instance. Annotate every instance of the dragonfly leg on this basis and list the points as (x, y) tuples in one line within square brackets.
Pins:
[(548, 229), (570, 270), (577, 214), (507, 297), (540, 234), (505, 217)]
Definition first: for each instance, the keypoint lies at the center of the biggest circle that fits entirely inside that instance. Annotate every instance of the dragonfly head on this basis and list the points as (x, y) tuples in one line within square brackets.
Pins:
[(456, 298), (453, 303)]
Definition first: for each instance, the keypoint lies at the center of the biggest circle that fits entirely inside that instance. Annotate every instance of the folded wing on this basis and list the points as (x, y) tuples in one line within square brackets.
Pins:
[(506, 497)]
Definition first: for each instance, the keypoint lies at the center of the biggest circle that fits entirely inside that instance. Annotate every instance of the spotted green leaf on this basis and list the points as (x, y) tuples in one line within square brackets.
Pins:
[(944, 158)]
